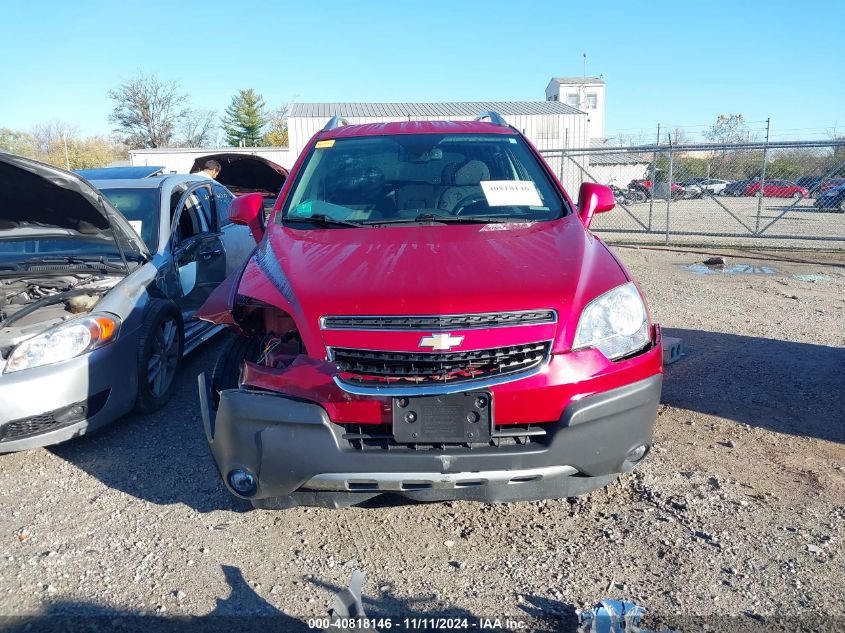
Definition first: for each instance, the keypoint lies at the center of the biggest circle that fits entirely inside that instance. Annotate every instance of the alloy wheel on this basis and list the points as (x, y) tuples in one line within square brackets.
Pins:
[(161, 367)]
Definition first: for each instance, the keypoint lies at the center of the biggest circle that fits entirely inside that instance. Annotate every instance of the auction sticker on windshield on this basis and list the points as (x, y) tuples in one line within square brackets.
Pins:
[(137, 225), (506, 193)]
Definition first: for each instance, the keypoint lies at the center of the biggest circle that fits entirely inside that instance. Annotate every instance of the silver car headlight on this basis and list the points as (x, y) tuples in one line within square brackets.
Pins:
[(615, 323), (64, 341)]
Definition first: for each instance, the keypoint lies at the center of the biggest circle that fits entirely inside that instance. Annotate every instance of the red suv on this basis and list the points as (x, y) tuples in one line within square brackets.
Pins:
[(426, 313)]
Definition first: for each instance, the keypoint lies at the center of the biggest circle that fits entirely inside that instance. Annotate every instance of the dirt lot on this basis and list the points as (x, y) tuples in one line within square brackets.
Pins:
[(738, 515)]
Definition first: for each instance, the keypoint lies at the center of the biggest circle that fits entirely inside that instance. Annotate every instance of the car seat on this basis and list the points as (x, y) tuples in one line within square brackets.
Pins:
[(462, 183)]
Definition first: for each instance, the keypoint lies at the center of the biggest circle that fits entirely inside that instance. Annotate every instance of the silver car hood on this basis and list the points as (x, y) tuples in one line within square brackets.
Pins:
[(37, 199)]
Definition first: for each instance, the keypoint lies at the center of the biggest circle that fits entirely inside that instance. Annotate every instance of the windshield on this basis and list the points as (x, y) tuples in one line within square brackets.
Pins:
[(424, 177), (32, 243), (141, 208)]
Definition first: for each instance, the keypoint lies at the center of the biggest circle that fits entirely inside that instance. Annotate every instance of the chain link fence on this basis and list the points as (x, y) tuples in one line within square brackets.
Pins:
[(792, 193)]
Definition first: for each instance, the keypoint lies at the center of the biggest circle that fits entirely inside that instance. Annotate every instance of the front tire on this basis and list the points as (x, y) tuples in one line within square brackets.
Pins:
[(797, 195), (227, 368), (160, 347)]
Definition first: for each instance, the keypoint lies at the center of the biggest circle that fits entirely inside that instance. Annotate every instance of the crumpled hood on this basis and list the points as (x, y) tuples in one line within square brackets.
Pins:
[(430, 269)]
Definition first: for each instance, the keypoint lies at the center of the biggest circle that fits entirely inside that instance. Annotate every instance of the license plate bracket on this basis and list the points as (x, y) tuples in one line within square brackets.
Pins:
[(453, 418)]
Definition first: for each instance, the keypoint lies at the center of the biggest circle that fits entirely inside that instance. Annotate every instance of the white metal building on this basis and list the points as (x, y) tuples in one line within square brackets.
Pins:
[(549, 125), (583, 93)]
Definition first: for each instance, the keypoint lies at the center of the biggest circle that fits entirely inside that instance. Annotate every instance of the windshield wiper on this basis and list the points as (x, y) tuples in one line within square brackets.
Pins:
[(62, 260), (322, 219), (444, 219)]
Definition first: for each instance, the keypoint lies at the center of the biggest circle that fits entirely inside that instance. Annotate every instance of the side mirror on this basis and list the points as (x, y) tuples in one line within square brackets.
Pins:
[(248, 210), (593, 198)]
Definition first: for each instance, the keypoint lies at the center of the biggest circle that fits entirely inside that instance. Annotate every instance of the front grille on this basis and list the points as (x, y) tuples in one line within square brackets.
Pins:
[(53, 420), (369, 367), (438, 322)]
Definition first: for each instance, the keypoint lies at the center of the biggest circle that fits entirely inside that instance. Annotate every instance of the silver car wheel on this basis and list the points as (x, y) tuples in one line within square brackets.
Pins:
[(161, 368)]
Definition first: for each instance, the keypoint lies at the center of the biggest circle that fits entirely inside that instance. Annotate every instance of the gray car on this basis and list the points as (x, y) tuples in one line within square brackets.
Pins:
[(96, 305)]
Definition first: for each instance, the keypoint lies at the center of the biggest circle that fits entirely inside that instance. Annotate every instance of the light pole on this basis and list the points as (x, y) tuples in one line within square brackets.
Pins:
[(67, 160)]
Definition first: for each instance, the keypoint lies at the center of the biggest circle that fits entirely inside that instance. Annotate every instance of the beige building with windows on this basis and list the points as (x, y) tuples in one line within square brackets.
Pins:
[(583, 93)]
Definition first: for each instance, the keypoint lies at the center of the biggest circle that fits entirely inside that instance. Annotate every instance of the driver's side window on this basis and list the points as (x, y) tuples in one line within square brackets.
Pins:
[(195, 217)]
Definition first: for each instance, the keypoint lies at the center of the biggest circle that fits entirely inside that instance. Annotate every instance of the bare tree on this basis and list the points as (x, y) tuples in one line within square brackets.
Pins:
[(197, 128), (48, 136), (59, 143), (728, 128), (147, 111), (679, 136)]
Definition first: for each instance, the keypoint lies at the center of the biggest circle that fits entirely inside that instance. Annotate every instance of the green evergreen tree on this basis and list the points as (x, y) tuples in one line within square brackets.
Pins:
[(245, 119)]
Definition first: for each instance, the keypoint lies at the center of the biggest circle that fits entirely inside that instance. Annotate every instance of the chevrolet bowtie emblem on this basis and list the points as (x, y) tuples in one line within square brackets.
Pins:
[(441, 342)]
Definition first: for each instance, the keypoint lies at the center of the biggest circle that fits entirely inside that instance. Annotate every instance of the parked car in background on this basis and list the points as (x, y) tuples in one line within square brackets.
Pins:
[(427, 314), (714, 185), (692, 191), (737, 187), (645, 186), (777, 189), (833, 199), (829, 183), (97, 293), (810, 183)]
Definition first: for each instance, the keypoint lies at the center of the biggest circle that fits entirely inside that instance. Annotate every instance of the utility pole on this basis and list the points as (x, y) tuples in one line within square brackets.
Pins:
[(653, 178), (67, 160), (668, 188), (762, 177)]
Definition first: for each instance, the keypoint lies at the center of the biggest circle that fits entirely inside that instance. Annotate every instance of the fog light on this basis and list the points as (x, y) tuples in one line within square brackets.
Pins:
[(242, 482), (637, 453)]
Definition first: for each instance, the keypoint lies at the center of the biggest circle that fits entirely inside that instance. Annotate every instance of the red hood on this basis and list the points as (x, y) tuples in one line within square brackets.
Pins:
[(429, 270)]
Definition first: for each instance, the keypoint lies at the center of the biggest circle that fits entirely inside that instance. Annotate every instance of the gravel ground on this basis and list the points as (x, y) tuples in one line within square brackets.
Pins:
[(739, 511)]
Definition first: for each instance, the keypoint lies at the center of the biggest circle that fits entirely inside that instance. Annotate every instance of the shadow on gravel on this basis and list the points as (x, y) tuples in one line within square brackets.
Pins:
[(163, 457), (783, 386), (242, 610)]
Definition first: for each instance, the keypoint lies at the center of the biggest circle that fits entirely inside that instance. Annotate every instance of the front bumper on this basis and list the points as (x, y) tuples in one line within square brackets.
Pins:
[(298, 456), (50, 404)]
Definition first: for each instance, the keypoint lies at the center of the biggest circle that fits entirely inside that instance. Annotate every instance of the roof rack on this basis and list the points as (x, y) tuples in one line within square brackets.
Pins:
[(335, 122), (494, 117)]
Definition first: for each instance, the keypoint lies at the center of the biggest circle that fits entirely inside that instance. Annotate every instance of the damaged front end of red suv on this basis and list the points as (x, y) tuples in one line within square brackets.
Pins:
[(427, 314)]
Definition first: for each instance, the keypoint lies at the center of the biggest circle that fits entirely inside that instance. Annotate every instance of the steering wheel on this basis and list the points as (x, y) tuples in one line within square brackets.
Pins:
[(470, 200)]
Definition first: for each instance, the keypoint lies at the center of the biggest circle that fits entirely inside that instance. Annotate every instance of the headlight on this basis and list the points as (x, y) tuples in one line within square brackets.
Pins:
[(615, 323), (66, 340)]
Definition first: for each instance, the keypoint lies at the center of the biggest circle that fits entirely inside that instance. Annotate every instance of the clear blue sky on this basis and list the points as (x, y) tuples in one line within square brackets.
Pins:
[(675, 63)]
